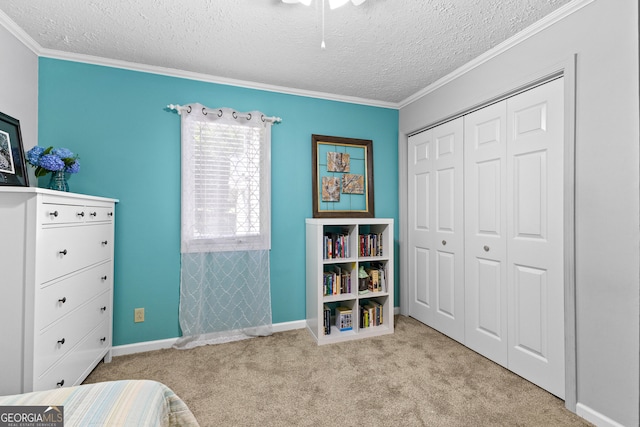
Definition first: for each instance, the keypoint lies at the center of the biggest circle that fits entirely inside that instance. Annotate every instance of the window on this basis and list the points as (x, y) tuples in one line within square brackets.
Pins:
[(225, 182)]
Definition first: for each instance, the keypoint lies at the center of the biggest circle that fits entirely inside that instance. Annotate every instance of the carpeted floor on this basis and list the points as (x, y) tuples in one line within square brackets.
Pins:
[(415, 377)]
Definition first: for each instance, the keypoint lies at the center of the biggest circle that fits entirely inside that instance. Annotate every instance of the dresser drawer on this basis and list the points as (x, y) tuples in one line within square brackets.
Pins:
[(62, 214), (61, 337), (60, 298), (73, 368), (99, 213), (63, 250)]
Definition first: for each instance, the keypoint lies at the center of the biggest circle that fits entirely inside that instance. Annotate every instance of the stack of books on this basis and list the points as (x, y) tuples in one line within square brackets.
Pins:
[(344, 318), (336, 245), (327, 319), (336, 282), (370, 314), (371, 244)]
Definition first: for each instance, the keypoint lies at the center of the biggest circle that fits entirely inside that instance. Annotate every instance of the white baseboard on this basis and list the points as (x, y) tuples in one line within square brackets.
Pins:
[(595, 417), (289, 326), (141, 347)]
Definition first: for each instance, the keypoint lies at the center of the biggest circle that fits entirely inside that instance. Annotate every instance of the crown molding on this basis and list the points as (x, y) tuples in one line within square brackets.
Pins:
[(19, 33), (172, 72), (557, 15)]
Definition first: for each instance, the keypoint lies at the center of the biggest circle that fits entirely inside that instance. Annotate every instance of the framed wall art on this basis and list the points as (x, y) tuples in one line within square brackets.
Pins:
[(12, 165), (342, 175)]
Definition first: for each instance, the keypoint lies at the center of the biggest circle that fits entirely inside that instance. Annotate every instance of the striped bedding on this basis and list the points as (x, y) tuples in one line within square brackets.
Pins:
[(114, 403)]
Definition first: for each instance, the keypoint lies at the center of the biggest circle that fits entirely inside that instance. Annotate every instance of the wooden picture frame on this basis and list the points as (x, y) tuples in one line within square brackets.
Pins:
[(342, 177), (13, 171)]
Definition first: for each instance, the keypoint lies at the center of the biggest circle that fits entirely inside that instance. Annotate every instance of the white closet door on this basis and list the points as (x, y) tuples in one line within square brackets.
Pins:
[(499, 286), (485, 176), (535, 220), (436, 234)]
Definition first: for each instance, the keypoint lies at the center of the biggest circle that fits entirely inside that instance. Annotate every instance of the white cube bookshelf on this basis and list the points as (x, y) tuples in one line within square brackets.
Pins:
[(332, 276)]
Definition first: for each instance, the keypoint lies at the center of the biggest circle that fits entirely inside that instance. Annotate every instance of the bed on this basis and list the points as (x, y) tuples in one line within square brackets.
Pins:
[(113, 403)]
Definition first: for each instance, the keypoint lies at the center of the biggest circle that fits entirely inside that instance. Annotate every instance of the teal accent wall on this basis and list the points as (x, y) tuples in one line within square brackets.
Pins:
[(129, 147)]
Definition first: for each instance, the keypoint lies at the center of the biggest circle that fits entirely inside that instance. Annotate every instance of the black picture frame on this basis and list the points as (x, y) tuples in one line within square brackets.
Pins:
[(13, 171), (363, 207)]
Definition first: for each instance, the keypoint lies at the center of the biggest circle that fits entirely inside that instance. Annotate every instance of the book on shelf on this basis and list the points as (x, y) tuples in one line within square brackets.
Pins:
[(371, 314), (374, 283), (370, 245), (327, 319), (336, 245), (377, 277), (336, 281), (344, 318), (363, 318)]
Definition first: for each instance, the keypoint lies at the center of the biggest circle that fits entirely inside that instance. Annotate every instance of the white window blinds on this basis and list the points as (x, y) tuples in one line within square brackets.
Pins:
[(226, 180)]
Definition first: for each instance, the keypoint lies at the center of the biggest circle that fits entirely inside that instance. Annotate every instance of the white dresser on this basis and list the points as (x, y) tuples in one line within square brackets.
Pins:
[(56, 287)]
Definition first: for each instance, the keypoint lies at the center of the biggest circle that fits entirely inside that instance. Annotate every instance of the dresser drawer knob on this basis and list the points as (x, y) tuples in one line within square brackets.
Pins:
[(103, 339), (80, 214), (93, 213), (104, 242), (63, 252), (103, 308), (61, 341), (53, 214), (63, 300), (60, 384), (103, 278), (110, 214)]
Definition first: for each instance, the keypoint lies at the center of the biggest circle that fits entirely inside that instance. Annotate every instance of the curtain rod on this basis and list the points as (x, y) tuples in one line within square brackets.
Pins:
[(218, 111)]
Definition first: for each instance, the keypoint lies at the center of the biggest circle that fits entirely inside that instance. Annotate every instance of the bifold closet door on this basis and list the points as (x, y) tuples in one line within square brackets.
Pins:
[(487, 268), (535, 230), (485, 175), (436, 228), (514, 259)]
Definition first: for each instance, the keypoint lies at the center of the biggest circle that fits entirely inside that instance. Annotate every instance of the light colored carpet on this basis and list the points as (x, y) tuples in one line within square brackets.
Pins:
[(415, 377)]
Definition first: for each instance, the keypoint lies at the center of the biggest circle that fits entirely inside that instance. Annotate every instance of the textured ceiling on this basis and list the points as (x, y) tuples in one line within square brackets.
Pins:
[(383, 50)]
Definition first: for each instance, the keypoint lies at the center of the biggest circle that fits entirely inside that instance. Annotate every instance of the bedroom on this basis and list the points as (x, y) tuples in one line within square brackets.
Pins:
[(64, 102)]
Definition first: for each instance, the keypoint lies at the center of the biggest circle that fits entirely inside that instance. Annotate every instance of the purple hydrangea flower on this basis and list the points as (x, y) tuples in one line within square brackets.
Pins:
[(33, 155), (63, 153), (73, 168), (51, 162)]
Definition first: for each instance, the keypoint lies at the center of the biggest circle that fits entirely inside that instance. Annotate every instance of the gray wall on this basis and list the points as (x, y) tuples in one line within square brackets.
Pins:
[(604, 37), (18, 99), (19, 87)]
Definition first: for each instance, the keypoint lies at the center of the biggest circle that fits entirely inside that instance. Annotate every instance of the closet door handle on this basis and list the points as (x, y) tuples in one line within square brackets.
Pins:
[(486, 248), (444, 243)]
